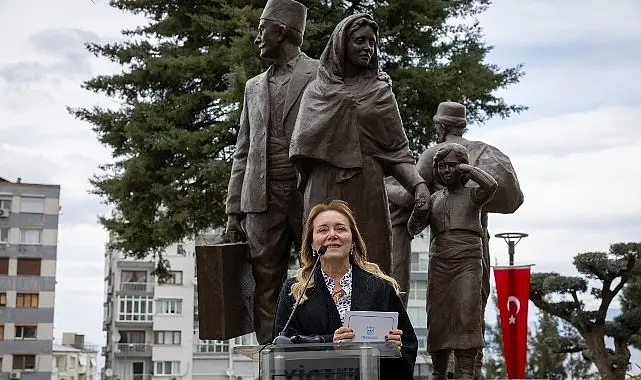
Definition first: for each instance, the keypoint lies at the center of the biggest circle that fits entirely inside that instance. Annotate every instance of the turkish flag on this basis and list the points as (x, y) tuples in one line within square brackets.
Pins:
[(513, 294)]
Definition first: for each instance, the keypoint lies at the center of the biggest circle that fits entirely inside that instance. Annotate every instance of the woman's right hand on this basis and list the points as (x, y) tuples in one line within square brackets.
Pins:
[(343, 334), (422, 200)]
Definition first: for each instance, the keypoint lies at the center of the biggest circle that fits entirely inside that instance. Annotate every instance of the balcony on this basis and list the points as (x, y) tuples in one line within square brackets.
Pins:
[(137, 287), (133, 350), (142, 377)]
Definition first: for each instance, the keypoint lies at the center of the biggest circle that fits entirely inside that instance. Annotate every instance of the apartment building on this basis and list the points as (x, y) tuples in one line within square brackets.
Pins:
[(73, 360), (28, 246), (152, 328)]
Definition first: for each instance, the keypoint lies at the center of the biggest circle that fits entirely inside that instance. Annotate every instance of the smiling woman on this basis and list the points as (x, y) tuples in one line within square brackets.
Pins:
[(346, 280)]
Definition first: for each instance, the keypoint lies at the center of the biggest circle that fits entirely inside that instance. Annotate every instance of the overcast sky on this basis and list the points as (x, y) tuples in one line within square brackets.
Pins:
[(576, 150)]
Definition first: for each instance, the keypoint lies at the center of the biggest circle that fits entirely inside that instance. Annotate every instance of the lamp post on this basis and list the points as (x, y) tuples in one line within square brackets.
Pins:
[(512, 239), (513, 293)]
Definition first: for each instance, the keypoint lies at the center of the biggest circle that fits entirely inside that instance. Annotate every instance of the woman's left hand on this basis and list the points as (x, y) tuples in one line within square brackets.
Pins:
[(422, 200), (394, 336)]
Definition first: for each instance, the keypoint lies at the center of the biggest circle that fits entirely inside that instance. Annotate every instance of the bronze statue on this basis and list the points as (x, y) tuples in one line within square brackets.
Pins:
[(262, 191), (401, 204), (454, 310), (451, 124), (349, 135)]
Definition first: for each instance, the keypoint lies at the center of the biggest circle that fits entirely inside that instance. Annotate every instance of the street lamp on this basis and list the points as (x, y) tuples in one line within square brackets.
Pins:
[(511, 238)]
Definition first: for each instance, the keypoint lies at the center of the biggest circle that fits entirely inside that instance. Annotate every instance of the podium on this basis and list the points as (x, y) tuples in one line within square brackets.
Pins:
[(346, 361)]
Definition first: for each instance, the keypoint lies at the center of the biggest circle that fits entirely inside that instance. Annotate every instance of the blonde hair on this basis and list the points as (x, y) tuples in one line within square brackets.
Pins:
[(357, 258)]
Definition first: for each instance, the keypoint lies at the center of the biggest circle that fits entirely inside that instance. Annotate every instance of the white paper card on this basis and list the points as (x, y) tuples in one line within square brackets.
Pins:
[(371, 326)]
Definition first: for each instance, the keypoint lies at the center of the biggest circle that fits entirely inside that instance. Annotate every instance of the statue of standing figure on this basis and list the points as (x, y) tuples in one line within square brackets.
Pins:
[(349, 136), (454, 295), (450, 122), (262, 192)]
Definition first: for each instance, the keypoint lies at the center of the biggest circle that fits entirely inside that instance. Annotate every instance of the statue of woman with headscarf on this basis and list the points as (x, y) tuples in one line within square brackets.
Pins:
[(349, 136)]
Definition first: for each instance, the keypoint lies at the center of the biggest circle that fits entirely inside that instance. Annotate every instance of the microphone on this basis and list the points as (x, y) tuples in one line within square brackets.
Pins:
[(281, 338)]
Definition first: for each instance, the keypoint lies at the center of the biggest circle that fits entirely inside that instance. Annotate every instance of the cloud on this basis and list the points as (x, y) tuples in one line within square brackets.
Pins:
[(575, 171), (80, 280), (545, 22), (64, 56), (587, 132)]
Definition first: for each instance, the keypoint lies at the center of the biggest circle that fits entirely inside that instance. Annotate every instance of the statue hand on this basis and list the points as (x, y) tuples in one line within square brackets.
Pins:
[(463, 168), (234, 231), (422, 200)]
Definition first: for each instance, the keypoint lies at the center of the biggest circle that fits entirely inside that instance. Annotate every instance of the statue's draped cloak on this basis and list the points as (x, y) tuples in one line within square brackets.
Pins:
[(346, 140)]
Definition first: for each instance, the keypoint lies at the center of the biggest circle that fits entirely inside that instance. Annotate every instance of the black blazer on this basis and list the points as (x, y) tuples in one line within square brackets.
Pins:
[(318, 315)]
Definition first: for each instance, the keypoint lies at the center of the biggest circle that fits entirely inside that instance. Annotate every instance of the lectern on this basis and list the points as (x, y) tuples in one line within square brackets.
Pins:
[(347, 361)]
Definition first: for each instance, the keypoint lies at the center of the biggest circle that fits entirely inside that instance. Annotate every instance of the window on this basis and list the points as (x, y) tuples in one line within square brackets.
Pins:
[(29, 266), (418, 316), (167, 368), (24, 362), (61, 363), (3, 299), (4, 265), (246, 340), (133, 280), (418, 290), (180, 250), (30, 236), (26, 332), (420, 261), (4, 234), (422, 343), (5, 203), (27, 300), (135, 308), (217, 346), (169, 307), (167, 337), (132, 336), (1, 334), (32, 205), (175, 277)]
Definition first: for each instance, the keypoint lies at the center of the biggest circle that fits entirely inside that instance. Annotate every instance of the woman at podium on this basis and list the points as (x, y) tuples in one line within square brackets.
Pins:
[(344, 281)]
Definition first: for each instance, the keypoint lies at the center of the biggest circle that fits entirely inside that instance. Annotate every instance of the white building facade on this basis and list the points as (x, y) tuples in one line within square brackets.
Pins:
[(152, 328), (73, 360)]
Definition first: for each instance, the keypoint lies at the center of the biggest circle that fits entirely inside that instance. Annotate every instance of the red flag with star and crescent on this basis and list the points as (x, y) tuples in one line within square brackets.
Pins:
[(513, 294)]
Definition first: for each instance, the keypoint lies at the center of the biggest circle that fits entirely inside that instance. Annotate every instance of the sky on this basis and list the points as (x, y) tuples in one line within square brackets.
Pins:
[(575, 150)]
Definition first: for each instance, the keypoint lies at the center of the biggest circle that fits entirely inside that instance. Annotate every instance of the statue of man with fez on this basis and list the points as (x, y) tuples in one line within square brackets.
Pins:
[(264, 206)]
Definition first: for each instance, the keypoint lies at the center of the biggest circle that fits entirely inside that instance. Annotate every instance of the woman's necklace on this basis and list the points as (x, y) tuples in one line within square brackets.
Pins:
[(337, 295)]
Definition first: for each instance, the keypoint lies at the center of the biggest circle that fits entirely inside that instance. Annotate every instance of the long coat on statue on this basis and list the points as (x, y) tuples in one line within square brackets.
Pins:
[(247, 191)]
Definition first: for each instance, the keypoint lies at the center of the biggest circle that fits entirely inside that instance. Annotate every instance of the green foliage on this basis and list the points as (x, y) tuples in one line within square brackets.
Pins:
[(612, 271), (494, 359), (571, 342), (183, 77), (545, 359)]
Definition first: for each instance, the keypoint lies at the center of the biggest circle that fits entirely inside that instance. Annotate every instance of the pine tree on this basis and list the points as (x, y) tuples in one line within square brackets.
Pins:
[(571, 342), (631, 303), (561, 297), (545, 360), (494, 358), (183, 77)]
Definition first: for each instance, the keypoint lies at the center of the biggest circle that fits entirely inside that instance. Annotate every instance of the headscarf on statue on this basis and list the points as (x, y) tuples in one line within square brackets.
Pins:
[(336, 125)]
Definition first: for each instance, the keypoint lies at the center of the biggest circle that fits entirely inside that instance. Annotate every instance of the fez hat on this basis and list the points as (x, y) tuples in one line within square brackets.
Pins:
[(451, 114), (288, 12)]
